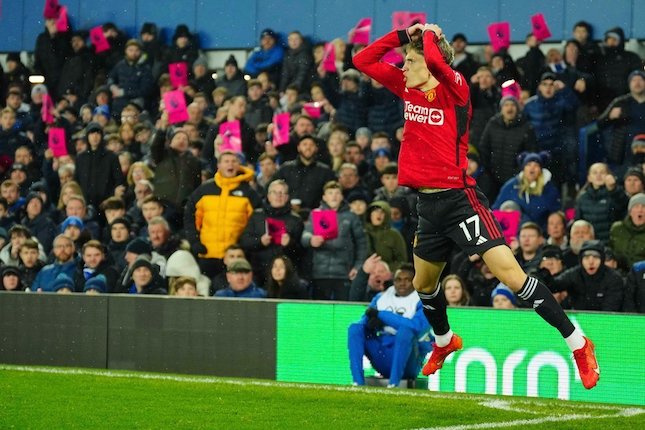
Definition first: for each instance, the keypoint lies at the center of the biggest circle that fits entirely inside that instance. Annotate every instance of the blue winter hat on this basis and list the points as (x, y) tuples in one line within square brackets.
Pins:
[(382, 152), (62, 281), (505, 291), (526, 157), (102, 110), (98, 283), (635, 73), (72, 221)]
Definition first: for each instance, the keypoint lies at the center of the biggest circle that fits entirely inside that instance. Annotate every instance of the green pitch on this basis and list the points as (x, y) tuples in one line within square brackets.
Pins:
[(61, 398)]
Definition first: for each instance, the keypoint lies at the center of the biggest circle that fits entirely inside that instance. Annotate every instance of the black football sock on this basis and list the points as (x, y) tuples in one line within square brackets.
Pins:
[(535, 292), (434, 309)]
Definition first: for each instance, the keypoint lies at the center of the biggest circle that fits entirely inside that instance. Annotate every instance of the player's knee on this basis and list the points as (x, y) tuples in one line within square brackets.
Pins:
[(513, 280), (424, 286)]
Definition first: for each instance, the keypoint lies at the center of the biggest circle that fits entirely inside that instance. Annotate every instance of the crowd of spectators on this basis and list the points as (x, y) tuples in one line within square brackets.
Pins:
[(142, 206)]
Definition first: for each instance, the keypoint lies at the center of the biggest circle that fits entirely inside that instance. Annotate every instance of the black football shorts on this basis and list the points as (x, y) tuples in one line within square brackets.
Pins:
[(455, 216)]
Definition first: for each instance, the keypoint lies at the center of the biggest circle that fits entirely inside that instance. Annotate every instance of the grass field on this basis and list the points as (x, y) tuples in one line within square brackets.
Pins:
[(62, 398)]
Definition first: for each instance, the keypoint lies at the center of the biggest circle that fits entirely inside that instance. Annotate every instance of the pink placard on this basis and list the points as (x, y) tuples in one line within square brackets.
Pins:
[(500, 35), (98, 39), (178, 74), (511, 88), (392, 57), (539, 27), (329, 58), (51, 9), (325, 223), (361, 33), (404, 19), (313, 109), (281, 129), (570, 214), (231, 136), (175, 104), (276, 228), (46, 109), (62, 23), (510, 223), (56, 141)]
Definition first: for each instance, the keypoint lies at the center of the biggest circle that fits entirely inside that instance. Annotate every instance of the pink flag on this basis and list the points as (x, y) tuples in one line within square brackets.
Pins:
[(62, 23), (231, 136), (329, 58), (313, 109), (98, 39), (325, 223), (540, 28), (51, 10), (511, 88), (404, 19), (46, 109), (178, 74), (500, 35), (392, 57), (510, 223), (361, 33), (276, 228), (56, 141), (175, 104), (570, 214), (281, 129)]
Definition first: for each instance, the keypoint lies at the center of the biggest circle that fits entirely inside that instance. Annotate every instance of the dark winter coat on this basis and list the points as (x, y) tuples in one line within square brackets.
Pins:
[(628, 241), (485, 105), (297, 68), (384, 240), (43, 229), (635, 289), (305, 181), (601, 208), (50, 55), (351, 110), (547, 118), (104, 268), (98, 172), (78, 74), (384, 110)]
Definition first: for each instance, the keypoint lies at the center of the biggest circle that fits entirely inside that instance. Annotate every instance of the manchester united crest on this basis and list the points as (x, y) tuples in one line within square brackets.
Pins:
[(431, 95)]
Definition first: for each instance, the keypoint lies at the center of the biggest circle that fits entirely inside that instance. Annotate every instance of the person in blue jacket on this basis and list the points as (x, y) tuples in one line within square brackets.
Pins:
[(393, 333), (267, 57), (239, 275)]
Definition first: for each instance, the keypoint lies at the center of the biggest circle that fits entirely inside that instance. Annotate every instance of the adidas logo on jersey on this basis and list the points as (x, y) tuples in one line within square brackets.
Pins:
[(481, 239)]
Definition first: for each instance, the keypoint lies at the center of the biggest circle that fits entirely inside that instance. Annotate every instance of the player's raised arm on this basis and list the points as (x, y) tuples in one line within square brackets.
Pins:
[(439, 55)]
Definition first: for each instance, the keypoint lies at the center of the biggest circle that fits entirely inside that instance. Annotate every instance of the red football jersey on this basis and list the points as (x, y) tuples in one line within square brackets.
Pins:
[(435, 134)]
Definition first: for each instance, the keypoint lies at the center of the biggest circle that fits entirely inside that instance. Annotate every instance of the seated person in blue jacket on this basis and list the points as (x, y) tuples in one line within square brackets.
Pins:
[(239, 275), (393, 333)]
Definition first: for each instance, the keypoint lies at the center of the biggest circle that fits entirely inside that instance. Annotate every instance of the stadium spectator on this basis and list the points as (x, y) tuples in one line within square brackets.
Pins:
[(97, 170), (232, 79), (464, 61), (550, 112), (181, 264), (129, 80), (17, 73), (503, 297), (144, 278), (530, 240), (272, 230), (635, 289), (96, 285), (531, 64), (62, 284), (455, 290), (505, 136), (305, 176), (267, 57), (202, 78), (283, 282), (30, 263), (240, 282), (11, 279), (177, 173), (52, 49), (154, 50), (335, 260), (485, 97), (372, 278), (183, 286), (382, 239), (119, 237), (580, 232), (599, 201), (551, 266), (217, 212), (38, 223), (77, 74), (257, 107), (236, 111), (556, 230), (163, 242), (627, 237), (18, 234), (94, 262), (11, 138), (625, 121), (391, 189), (589, 50), (532, 189), (591, 285), (396, 343), (297, 65), (64, 263), (184, 48)]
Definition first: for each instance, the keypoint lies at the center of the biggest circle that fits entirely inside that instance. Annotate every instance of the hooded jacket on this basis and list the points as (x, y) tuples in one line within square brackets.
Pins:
[(182, 263), (384, 240), (628, 241), (602, 291), (98, 172), (536, 208), (336, 257), (217, 212)]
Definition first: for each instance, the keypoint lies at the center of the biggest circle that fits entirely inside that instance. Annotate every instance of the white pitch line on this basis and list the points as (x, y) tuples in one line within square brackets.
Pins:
[(627, 412), (481, 399)]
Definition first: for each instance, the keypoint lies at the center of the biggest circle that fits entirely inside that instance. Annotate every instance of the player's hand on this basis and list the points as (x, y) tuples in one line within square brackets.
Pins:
[(433, 28), (415, 32)]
